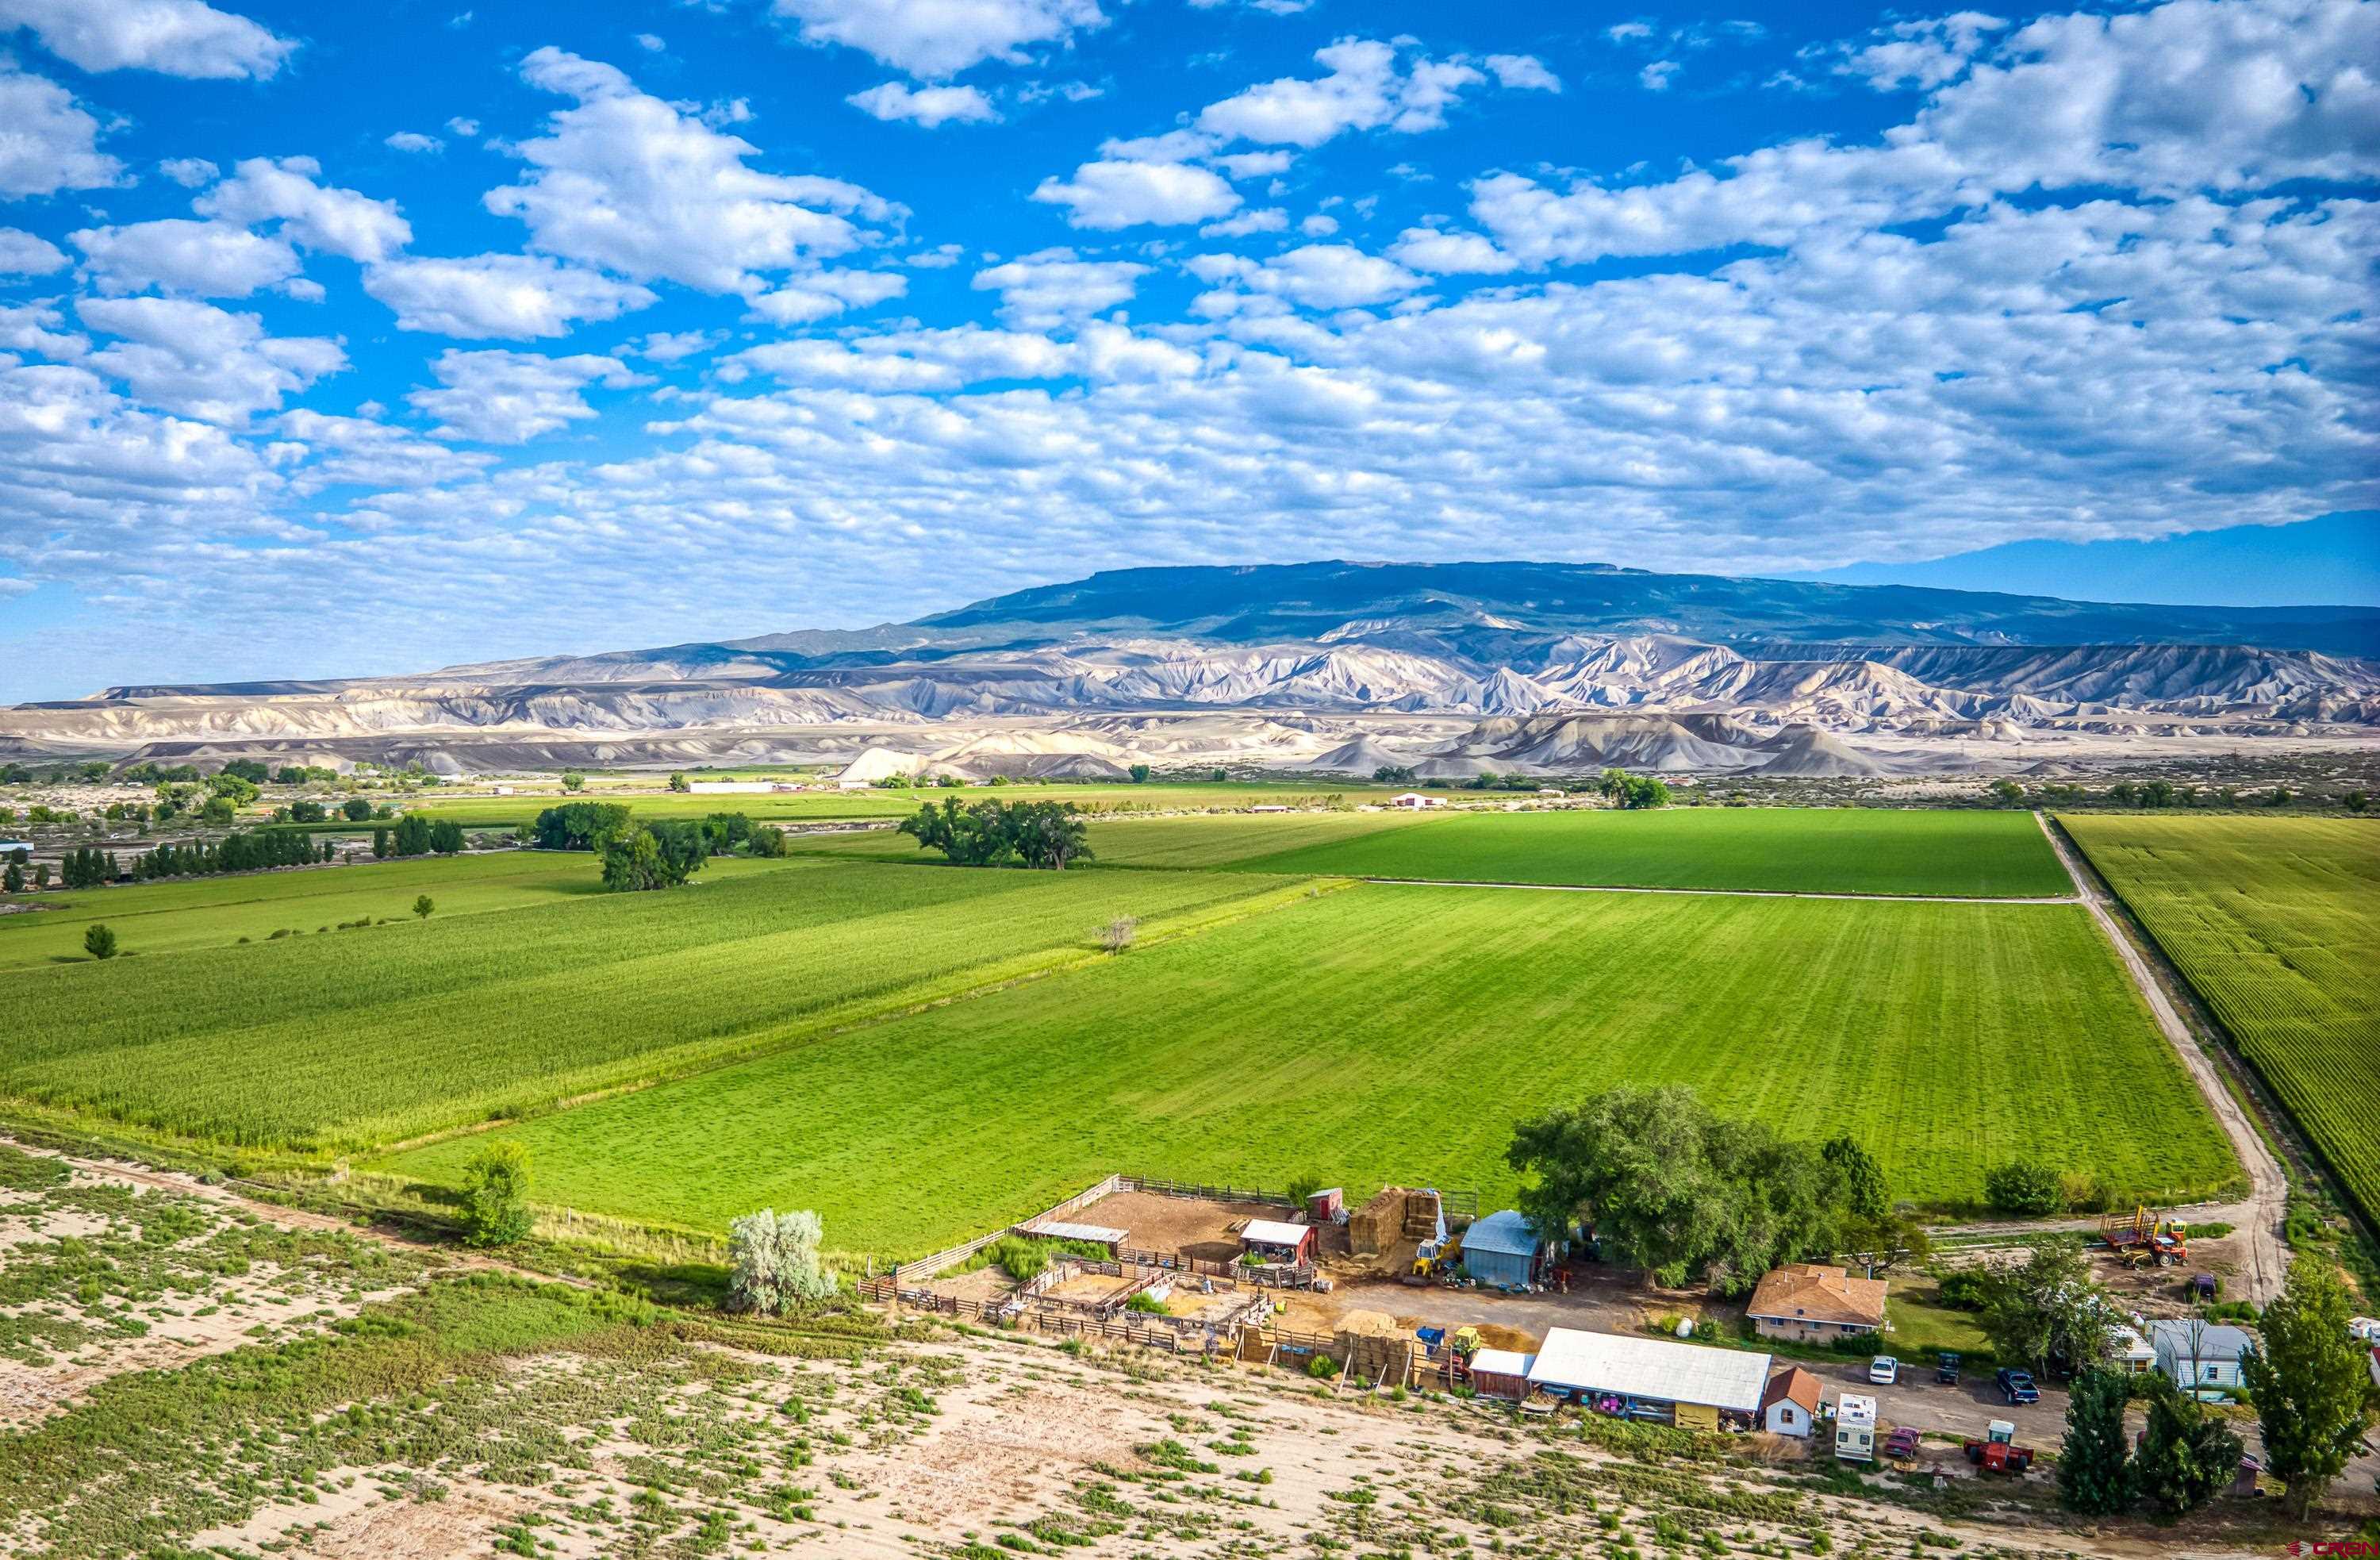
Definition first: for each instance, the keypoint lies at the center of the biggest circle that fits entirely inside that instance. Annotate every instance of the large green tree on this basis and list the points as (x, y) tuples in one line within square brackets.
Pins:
[(2187, 1454), (1864, 1188), (2048, 1305), (997, 833), (2311, 1388), (1668, 1186), (2095, 1472)]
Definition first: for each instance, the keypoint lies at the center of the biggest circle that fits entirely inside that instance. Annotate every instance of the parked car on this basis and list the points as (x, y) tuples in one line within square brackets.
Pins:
[(1903, 1448), (1946, 1371), (1884, 1370), (2016, 1386)]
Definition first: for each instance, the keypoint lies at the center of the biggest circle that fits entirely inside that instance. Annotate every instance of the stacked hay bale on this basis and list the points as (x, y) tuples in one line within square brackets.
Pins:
[(1374, 1346), (1380, 1224)]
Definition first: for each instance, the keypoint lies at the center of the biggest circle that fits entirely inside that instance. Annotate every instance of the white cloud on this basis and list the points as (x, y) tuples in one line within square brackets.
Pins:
[(1446, 254), (49, 144), (174, 37), (189, 172), (820, 295), (502, 296), (933, 39), (366, 452), (1055, 288), (671, 346), (1657, 77), (201, 362), (1125, 193), (1268, 219), (627, 182), (917, 361), (1628, 32), (23, 254), (466, 128), (203, 259), (315, 216), (1364, 91), (1319, 226), (1253, 165), (1523, 73), (652, 42), (1920, 54), (925, 106), (1316, 276), (500, 397), (413, 140)]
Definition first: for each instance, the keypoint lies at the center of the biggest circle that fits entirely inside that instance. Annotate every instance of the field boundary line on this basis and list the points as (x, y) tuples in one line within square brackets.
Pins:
[(2267, 1206), (2069, 899)]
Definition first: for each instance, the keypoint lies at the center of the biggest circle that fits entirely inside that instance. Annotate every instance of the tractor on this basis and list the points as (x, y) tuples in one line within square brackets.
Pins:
[(2146, 1239), (1998, 1452)]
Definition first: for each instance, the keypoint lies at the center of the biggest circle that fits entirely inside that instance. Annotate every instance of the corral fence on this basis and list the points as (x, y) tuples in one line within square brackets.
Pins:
[(925, 1267), (1461, 1208)]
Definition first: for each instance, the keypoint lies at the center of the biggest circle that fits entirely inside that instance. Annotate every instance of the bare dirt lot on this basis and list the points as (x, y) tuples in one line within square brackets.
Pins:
[(1208, 1231)]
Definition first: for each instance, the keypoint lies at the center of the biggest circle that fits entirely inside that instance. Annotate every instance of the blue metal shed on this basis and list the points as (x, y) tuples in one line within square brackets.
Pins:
[(1500, 1249)]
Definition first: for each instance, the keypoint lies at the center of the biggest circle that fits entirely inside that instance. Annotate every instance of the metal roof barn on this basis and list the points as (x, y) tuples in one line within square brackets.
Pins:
[(1500, 1249), (1650, 1369), (1276, 1232)]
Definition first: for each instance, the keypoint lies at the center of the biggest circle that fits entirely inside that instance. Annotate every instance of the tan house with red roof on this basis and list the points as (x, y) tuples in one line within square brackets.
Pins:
[(1805, 1302)]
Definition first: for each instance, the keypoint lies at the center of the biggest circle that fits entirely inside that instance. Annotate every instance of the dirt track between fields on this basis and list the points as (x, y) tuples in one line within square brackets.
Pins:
[(2265, 1260)]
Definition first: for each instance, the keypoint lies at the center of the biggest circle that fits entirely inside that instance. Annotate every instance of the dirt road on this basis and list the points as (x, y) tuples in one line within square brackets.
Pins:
[(2265, 1262)]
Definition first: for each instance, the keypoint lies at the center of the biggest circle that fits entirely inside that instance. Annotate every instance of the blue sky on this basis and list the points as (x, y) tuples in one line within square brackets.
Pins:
[(344, 339)]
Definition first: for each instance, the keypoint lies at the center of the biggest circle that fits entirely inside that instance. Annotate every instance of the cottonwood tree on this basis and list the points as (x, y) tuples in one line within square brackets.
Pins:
[(777, 1266), (495, 1195), (1668, 1186), (2310, 1384), (2094, 1473), (2048, 1305)]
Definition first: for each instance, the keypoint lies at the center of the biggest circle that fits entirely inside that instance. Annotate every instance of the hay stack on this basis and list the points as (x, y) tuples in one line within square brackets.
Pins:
[(1380, 1224), (1424, 1219), (1373, 1343)]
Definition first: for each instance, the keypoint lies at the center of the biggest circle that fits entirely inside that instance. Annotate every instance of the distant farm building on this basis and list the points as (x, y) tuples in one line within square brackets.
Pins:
[(1415, 801), (1641, 1378), (1275, 1240), (1502, 1249), (731, 787), (1789, 1406), (1805, 1302)]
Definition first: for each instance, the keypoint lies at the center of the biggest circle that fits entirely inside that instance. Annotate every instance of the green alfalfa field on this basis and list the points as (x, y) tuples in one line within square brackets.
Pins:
[(1968, 853), (2276, 922), (1382, 1032)]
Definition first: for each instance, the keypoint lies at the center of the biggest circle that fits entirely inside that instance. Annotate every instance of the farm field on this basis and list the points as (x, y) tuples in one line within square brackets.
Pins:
[(1809, 850), (1191, 842), (1383, 1032), (827, 806), (183, 913), (353, 1039), (2276, 922)]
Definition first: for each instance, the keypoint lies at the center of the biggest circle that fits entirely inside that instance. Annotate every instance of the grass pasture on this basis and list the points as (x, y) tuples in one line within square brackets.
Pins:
[(1187, 843), (356, 1039), (795, 807), (1804, 850), (1384, 1032), (2276, 921), (184, 913)]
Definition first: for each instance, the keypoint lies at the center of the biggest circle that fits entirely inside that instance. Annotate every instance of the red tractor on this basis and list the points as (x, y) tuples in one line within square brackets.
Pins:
[(1998, 1452)]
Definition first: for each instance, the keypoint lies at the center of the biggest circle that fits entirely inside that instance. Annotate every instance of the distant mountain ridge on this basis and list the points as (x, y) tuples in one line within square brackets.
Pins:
[(1553, 663)]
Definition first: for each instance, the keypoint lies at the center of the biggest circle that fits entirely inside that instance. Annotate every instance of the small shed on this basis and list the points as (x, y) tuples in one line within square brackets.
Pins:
[(1501, 1250), (1089, 1235), (1501, 1372), (1327, 1207), (1274, 1240), (1789, 1406), (1416, 801)]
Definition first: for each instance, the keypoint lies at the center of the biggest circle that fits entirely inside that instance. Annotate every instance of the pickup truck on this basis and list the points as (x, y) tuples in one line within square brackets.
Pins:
[(2017, 1386)]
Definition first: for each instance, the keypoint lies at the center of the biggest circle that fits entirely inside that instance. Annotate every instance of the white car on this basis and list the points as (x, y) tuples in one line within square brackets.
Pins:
[(1884, 1370)]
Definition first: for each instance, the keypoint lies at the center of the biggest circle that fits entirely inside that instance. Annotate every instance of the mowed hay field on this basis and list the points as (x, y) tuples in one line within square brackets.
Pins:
[(357, 1039), (1383, 1032), (209, 912), (796, 807), (1185, 843), (1797, 850), (2276, 921)]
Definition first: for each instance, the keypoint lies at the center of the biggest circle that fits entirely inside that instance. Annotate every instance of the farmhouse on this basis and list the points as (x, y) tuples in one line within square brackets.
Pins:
[(1416, 801), (2129, 1353), (1805, 1302), (1789, 1406), (2195, 1354), (1502, 1249), (1275, 1240), (1652, 1378)]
